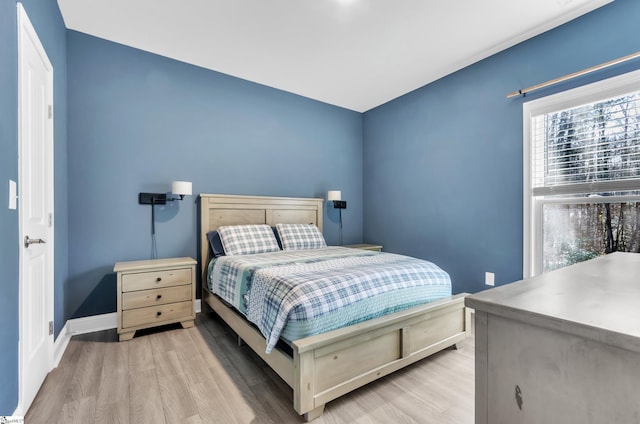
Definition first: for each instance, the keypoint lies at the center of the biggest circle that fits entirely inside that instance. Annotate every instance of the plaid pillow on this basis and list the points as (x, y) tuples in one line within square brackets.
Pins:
[(300, 236), (247, 239)]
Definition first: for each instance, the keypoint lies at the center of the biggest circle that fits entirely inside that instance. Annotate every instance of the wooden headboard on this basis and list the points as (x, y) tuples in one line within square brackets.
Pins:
[(223, 209)]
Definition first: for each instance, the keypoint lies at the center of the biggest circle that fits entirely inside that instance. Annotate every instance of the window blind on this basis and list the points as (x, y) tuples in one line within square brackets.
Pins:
[(593, 148)]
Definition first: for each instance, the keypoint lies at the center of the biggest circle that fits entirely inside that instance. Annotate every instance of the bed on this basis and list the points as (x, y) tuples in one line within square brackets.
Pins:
[(325, 366)]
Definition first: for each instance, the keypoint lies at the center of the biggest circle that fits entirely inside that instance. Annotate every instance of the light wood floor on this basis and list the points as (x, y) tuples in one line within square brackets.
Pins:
[(200, 375)]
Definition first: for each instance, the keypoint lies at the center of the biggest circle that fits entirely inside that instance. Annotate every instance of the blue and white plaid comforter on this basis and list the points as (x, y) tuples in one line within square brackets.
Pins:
[(329, 288)]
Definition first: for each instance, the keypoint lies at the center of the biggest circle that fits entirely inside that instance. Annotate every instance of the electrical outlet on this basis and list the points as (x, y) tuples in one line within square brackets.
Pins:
[(489, 278)]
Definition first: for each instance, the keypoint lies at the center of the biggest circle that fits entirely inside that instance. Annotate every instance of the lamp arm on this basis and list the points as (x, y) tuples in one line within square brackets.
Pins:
[(176, 198)]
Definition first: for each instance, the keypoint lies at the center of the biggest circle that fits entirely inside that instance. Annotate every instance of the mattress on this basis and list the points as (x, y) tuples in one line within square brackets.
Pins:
[(296, 294)]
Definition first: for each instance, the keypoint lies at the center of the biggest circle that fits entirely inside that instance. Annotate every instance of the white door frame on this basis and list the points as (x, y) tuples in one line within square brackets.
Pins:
[(27, 34)]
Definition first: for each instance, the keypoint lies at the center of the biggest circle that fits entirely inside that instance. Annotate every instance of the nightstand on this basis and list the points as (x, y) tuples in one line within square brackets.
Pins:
[(155, 292), (365, 246)]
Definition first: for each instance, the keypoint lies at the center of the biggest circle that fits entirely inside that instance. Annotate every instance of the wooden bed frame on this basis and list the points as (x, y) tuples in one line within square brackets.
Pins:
[(326, 366)]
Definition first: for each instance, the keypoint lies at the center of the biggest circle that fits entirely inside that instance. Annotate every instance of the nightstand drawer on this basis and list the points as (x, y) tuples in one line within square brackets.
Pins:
[(156, 279), (144, 298), (157, 314)]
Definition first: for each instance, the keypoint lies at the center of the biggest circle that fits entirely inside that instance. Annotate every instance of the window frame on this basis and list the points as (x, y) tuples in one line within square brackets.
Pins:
[(533, 205)]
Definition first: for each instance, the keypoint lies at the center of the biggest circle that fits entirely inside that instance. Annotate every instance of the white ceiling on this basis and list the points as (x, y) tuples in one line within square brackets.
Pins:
[(357, 54)]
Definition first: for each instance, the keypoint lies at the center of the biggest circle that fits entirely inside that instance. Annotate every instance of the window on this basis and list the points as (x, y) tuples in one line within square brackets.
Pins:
[(582, 174)]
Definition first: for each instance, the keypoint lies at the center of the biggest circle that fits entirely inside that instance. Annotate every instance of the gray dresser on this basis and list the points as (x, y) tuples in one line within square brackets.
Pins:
[(563, 347)]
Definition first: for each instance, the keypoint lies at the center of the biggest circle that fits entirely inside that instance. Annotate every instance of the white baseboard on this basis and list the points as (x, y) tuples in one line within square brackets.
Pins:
[(90, 325), (60, 345), (101, 322)]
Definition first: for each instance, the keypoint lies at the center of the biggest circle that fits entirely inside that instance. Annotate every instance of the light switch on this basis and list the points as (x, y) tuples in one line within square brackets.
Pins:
[(13, 194)]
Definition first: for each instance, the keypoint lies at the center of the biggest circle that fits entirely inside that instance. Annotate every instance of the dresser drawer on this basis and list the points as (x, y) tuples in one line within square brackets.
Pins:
[(153, 297), (157, 314), (156, 279)]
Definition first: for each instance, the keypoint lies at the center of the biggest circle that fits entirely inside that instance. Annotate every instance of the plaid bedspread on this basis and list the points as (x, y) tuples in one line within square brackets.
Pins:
[(275, 289)]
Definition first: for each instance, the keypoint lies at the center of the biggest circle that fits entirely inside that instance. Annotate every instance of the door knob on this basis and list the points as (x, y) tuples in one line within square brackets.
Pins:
[(29, 241)]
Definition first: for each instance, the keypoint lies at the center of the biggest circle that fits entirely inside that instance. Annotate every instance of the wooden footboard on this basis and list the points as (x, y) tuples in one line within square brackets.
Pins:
[(331, 364), (326, 366)]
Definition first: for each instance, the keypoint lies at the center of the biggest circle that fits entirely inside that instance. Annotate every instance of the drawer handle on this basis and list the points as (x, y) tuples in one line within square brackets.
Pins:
[(158, 313), (159, 297), (158, 279)]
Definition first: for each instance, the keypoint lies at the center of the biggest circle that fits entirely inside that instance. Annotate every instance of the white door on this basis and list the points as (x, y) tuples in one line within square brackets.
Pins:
[(35, 163)]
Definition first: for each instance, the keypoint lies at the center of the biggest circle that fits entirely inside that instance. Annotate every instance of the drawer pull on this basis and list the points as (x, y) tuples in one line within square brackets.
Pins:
[(158, 313), (158, 279), (158, 297)]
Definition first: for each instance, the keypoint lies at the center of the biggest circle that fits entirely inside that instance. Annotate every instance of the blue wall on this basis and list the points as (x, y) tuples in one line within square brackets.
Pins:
[(443, 164), (439, 175), (46, 19), (138, 121)]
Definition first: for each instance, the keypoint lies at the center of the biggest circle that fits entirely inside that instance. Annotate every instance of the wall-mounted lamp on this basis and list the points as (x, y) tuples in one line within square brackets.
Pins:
[(336, 196), (180, 188), (338, 203)]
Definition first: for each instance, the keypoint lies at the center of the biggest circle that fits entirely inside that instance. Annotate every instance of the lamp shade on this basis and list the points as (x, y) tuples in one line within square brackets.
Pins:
[(182, 188), (334, 195)]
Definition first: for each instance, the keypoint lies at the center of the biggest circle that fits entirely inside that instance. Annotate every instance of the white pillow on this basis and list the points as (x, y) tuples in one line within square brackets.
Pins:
[(300, 236), (247, 239)]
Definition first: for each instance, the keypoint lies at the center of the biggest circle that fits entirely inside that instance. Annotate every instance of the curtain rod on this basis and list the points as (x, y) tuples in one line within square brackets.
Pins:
[(573, 75)]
